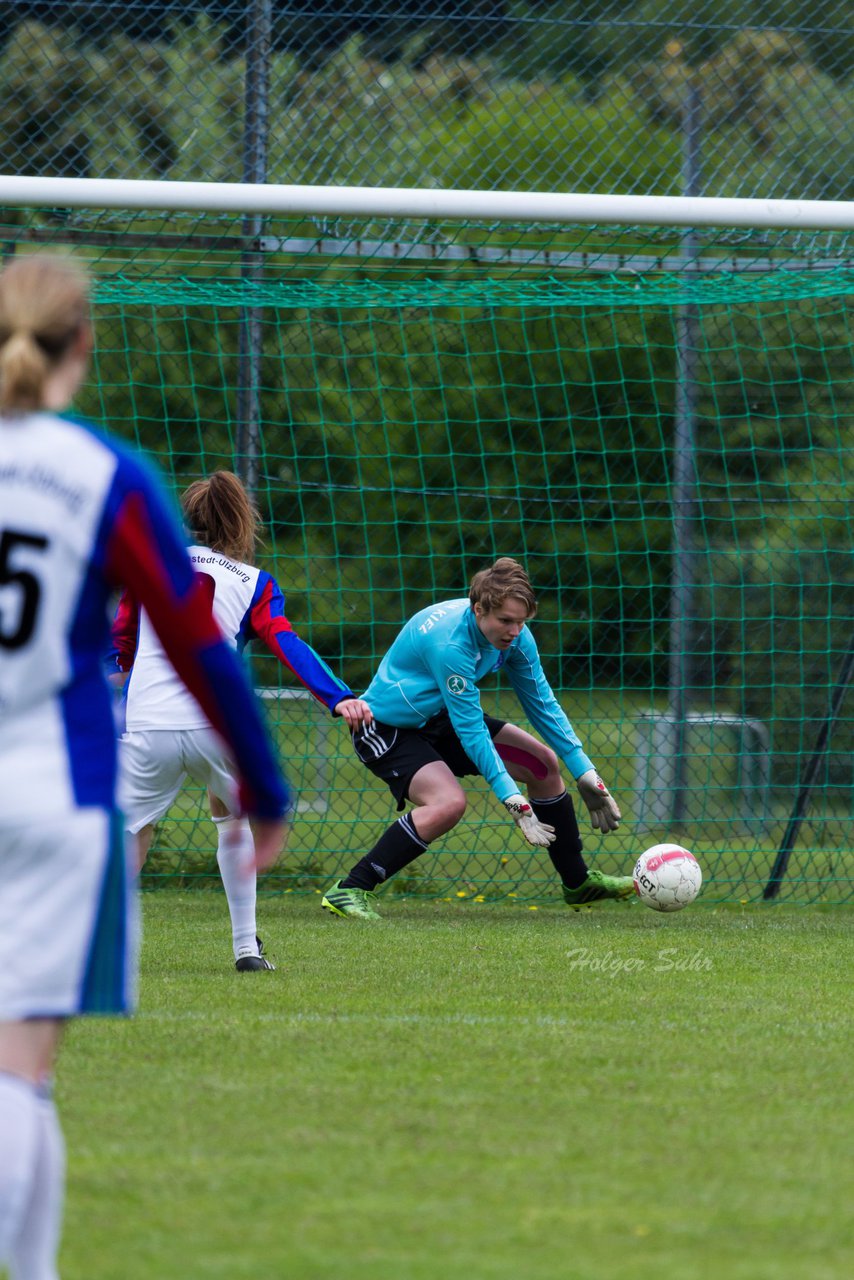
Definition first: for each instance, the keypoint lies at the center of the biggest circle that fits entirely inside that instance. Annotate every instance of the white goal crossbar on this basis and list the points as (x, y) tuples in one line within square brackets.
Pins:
[(398, 202)]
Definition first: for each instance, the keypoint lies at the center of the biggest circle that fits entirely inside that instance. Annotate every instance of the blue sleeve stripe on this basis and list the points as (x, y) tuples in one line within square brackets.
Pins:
[(276, 603), (310, 669), (86, 703)]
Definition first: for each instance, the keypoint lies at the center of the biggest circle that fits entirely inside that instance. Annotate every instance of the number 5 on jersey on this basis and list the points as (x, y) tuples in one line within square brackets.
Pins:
[(20, 590)]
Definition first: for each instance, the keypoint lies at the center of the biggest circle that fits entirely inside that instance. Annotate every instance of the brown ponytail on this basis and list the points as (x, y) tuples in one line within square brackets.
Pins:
[(220, 514), (44, 304)]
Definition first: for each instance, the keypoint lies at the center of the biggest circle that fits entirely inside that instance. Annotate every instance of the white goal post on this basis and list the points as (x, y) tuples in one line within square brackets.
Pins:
[(417, 202)]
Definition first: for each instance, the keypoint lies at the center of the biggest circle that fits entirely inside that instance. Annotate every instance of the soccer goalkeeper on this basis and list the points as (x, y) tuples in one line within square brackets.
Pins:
[(429, 730)]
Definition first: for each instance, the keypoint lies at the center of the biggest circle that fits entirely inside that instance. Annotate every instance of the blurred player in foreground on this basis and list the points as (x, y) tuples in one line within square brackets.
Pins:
[(430, 730), (79, 518), (167, 737)]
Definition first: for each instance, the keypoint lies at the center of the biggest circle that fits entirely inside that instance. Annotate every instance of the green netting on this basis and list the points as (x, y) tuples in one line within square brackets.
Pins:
[(668, 290), (659, 423)]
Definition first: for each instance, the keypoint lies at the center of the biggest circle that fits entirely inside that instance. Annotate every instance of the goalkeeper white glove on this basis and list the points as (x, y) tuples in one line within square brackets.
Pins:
[(534, 831), (604, 811)]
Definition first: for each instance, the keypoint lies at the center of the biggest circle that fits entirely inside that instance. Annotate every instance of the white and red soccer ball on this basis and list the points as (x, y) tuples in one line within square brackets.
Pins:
[(667, 877)]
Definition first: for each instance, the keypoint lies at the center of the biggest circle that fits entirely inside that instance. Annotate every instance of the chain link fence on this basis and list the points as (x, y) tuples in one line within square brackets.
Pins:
[(667, 97)]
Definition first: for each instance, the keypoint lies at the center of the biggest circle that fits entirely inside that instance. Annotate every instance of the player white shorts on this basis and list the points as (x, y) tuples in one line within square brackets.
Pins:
[(154, 763), (68, 917)]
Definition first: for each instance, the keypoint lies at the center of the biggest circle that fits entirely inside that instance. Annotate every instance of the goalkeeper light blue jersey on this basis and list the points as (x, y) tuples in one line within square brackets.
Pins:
[(436, 663)]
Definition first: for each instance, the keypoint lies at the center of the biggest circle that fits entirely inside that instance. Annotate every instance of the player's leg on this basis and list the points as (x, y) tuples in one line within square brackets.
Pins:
[(32, 1151), (205, 761), (142, 846), (235, 852), (150, 777), (67, 946), (414, 770), (438, 804), (438, 800), (532, 763), (536, 766)]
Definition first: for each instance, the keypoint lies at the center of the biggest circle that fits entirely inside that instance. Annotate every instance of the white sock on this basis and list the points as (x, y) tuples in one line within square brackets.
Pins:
[(19, 1143), (235, 850), (34, 1253)]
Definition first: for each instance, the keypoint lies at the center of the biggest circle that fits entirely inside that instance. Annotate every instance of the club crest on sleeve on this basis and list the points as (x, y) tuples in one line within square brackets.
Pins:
[(456, 684)]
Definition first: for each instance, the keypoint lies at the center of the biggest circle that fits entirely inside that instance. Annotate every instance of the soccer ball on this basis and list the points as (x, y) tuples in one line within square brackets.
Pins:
[(667, 877)]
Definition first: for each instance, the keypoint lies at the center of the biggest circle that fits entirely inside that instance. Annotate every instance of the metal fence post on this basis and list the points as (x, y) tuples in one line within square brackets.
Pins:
[(682, 594), (255, 147)]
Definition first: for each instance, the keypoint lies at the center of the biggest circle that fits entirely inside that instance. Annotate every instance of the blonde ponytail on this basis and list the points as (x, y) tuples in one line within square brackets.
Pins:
[(24, 369), (44, 305)]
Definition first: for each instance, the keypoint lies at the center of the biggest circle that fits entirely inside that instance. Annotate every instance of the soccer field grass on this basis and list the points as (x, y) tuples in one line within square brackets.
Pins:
[(469, 1092)]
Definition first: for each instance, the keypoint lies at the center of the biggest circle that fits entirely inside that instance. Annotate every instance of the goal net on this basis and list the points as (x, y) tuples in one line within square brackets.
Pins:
[(648, 405)]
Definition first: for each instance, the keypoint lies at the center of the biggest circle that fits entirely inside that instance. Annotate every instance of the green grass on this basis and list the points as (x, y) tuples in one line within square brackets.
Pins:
[(469, 1092)]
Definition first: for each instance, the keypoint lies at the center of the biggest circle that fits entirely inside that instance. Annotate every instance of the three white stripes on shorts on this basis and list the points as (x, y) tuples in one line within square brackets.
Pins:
[(374, 741)]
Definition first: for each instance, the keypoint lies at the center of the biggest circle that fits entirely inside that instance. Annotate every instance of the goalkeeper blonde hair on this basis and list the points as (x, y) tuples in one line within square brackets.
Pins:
[(220, 514), (504, 579), (44, 307)]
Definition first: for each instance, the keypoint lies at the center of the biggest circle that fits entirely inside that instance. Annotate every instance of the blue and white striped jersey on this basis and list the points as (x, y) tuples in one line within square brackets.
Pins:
[(436, 664)]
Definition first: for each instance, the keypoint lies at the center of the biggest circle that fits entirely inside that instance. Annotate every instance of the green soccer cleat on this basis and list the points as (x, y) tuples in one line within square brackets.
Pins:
[(359, 903), (597, 887)]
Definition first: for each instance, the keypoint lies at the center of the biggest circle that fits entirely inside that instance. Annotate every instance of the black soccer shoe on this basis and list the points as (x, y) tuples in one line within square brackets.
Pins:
[(251, 964)]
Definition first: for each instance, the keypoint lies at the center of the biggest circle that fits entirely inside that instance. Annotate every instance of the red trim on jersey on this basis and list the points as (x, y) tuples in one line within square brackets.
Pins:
[(268, 627), (180, 611), (125, 631), (265, 623)]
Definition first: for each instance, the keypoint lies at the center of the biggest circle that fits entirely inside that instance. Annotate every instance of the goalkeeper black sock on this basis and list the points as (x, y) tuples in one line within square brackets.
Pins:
[(565, 849), (394, 850)]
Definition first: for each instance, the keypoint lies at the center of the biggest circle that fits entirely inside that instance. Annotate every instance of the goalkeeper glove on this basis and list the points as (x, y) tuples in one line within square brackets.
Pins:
[(534, 831), (604, 811)]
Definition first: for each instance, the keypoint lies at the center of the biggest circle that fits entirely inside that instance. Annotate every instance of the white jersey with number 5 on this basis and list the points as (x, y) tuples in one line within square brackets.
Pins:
[(53, 492)]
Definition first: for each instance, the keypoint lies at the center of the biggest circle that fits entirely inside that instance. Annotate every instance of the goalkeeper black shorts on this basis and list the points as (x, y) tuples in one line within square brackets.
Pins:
[(396, 755)]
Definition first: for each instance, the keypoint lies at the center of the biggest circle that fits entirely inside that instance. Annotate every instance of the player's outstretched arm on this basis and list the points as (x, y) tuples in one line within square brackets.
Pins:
[(603, 809), (270, 624)]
